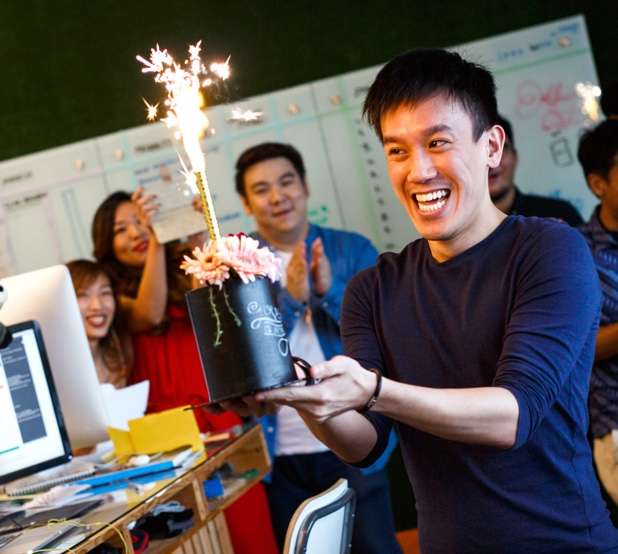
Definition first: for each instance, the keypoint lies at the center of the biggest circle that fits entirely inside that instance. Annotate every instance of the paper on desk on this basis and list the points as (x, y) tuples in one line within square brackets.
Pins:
[(125, 404), (160, 432)]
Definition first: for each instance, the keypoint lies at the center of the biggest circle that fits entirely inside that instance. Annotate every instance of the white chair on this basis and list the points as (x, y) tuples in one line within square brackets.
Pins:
[(323, 523)]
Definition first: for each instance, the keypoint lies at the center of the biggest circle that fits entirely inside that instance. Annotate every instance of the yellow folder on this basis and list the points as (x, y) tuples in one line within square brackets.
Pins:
[(160, 432)]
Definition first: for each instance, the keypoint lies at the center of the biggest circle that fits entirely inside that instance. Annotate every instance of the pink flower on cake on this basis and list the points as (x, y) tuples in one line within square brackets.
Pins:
[(212, 263)]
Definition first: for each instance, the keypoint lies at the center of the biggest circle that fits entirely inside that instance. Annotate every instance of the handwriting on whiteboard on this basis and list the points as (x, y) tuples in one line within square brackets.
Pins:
[(555, 106)]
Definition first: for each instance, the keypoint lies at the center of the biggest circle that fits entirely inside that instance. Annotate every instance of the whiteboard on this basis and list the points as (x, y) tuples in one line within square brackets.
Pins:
[(47, 199)]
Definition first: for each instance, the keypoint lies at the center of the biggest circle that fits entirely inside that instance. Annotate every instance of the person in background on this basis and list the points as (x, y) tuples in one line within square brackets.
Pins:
[(150, 288), (317, 264), (510, 200), (598, 156), (108, 338)]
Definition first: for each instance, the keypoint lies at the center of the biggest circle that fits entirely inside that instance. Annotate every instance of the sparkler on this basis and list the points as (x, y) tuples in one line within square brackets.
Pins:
[(184, 103), (589, 95)]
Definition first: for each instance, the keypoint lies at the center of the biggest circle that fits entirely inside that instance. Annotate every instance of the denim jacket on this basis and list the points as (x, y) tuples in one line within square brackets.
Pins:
[(348, 253), (604, 378)]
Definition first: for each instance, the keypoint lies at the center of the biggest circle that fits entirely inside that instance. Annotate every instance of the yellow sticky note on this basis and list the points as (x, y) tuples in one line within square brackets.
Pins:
[(123, 445), (165, 431)]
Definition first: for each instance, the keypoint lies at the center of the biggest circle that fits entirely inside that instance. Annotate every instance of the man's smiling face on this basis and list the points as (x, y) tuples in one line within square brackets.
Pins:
[(438, 171), (276, 196)]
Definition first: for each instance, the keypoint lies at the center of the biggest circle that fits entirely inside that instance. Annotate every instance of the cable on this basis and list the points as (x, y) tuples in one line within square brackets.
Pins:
[(77, 523)]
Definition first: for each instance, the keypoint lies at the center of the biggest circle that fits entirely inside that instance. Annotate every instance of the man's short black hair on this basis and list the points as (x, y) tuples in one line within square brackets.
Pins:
[(263, 152), (420, 74), (598, 149), (508, 129)]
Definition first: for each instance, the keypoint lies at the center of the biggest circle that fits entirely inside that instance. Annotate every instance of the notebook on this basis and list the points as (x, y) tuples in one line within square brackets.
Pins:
[(44, 480)]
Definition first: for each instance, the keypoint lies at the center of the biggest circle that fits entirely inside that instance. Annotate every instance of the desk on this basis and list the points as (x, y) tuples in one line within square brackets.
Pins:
[(209, 534)]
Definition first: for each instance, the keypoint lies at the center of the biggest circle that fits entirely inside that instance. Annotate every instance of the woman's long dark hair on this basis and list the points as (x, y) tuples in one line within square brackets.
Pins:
[(126, 279), (115, 347)]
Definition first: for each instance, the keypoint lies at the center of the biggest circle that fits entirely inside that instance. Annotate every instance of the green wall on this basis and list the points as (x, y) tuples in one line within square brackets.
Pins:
[(69, 71)]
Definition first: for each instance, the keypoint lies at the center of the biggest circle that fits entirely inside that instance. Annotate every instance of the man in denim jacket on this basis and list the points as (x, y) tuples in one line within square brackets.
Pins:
[(598, 155), (318, 263)]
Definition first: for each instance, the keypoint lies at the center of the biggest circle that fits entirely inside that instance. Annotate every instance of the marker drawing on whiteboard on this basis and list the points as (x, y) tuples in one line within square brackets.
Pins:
[(554, 105), (561, 152)]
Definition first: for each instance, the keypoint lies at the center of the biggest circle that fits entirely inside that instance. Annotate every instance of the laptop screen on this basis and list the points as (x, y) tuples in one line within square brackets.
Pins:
[(33, 435)]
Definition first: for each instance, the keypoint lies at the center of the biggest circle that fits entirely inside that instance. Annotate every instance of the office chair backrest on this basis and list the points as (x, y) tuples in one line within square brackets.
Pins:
[(323, 523)]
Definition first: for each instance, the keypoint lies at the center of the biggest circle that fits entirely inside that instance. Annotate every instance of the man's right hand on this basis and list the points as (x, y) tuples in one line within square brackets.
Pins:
[(298, 274)]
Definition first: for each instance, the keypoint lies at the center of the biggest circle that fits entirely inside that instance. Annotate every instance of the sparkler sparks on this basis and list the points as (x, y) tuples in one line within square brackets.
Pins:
[(151, 111), (238, 115), (184, 113), (589, 95), (221, 70)]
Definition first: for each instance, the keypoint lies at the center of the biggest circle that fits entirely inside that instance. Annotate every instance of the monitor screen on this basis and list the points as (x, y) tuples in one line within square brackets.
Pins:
[(47, 296), (33, 435)]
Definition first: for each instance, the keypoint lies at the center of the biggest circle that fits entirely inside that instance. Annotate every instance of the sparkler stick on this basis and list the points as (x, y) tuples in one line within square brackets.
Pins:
[(208, 208), (184, 112)]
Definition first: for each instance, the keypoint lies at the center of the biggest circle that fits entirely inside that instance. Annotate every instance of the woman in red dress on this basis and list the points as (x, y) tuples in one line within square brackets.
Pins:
[(150, 289)]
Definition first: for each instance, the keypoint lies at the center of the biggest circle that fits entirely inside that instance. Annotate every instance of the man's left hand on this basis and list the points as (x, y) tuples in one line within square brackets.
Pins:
[(320, 269)]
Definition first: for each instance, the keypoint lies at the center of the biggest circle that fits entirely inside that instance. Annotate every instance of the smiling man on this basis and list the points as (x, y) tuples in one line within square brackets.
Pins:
[(318, 263), (476, 340)]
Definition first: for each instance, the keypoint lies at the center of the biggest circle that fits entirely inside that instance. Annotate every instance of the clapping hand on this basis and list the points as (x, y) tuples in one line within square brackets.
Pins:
[(298, 274), (321, 274)]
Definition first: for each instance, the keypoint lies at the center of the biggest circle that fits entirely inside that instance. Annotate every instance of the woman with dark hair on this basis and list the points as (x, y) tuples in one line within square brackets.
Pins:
[(150, 288), (109, 342)]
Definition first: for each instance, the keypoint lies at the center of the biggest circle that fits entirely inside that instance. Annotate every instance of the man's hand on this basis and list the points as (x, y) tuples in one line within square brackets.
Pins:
[(344, 385), (321, 274), (298, 274)]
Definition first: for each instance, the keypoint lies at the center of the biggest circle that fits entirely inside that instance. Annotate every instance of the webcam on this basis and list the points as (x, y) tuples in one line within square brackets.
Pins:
[(5, 334)]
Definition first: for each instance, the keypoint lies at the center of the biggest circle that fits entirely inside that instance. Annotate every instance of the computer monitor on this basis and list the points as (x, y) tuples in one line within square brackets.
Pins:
[(47, 296), (33, 436)]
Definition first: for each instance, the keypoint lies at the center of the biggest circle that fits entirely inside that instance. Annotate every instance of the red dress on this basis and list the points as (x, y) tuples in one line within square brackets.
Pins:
[(171, 363)]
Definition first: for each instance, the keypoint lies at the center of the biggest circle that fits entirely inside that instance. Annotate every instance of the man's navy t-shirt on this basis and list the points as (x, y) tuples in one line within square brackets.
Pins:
[(518, 310)]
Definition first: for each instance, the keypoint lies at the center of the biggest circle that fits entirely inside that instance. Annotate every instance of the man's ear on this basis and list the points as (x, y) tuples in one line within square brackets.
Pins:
[(597, 184), (495, 145), (306, 186), (246, 205)]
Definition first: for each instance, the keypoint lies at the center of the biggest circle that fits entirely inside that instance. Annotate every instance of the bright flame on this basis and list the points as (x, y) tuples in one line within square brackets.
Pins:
[(589, 94), (188, 175), (184, 113), (184, 100)]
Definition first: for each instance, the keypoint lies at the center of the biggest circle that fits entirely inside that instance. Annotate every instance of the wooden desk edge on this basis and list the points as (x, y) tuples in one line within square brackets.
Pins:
[(199, 473)]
